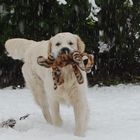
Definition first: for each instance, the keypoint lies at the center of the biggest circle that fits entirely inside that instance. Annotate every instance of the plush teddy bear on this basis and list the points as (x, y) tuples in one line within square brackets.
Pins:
[(78, 61)]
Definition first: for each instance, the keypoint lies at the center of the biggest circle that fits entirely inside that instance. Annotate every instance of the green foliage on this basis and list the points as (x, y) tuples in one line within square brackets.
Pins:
[(120, 23), (118, 27), (41, 19)]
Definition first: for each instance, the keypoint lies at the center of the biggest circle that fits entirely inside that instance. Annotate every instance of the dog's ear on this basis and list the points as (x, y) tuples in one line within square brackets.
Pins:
[(49, 47), (80, 44), (42, 62)]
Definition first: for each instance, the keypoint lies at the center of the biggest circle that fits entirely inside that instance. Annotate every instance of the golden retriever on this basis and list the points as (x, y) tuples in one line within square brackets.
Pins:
[(39, 79)]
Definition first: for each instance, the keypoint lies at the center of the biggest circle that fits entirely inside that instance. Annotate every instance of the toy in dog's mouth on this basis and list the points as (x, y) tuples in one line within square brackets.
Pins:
[(78, 61), (87, 62)]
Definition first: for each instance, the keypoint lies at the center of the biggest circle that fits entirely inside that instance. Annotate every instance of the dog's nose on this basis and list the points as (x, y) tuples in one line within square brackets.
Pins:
[(65, 50)]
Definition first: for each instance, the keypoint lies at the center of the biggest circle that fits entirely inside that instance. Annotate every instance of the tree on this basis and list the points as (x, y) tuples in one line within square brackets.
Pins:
[(40, 20), (119, 30), (113, 38)]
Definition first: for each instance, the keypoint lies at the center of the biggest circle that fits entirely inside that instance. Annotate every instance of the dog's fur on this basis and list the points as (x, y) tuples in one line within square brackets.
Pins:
[(39, 79)]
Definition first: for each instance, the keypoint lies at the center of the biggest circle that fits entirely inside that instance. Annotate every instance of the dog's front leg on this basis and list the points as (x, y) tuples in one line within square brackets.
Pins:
[(81, 116), (55, 112)]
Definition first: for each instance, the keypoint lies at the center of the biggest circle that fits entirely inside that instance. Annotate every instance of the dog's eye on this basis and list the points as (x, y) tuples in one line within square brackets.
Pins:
[(70, 43), (58, 44)]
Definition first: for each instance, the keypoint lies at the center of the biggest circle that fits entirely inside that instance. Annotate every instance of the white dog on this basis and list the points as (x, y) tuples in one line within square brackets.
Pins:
[(39, 79)]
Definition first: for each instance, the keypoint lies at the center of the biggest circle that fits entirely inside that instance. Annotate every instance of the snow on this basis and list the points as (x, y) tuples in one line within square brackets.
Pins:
[(62, 2), (130, 3), (137, 35), (103, 47), (114, 115), (94, 5), (94, 10)]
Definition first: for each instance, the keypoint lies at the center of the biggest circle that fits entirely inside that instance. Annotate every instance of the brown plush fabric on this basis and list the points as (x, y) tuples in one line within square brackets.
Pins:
[(75, 59)]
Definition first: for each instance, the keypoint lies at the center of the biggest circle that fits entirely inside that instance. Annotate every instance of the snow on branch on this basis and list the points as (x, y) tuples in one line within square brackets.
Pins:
[(94, 10), (62, 2)]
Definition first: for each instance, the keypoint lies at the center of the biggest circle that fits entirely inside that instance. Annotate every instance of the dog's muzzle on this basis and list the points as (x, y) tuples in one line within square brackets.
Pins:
[(65, 50)]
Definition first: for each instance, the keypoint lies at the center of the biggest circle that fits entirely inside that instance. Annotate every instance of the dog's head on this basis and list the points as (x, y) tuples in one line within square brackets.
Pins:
[(61, 44), (65, 43)]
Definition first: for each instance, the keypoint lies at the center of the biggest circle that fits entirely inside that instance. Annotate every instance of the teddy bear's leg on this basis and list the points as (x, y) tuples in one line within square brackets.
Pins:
[(78, 74), (57, 77), (54, 76)]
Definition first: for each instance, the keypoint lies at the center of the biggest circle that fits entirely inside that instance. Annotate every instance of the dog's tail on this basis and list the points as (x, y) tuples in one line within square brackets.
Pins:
[(17, 47)]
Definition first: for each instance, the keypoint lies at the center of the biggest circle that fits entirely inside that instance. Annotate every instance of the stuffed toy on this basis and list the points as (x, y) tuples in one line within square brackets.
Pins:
[(78, 61)]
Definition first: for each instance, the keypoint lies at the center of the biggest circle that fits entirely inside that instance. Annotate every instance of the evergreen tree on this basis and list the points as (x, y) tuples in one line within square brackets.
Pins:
[(41, 19), (119, 30), (114, 38)]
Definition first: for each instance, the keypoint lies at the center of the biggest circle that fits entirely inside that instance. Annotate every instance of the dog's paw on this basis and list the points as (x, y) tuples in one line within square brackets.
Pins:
[(58, 122), (79, 133)]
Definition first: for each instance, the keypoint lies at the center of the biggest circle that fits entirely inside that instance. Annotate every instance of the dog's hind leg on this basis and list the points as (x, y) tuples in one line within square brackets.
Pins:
[(37, 88)]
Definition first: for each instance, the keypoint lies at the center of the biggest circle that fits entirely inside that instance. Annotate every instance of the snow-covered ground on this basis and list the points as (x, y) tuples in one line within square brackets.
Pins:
[(114, 115)]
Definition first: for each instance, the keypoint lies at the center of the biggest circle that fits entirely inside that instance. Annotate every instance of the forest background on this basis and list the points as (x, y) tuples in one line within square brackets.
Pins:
[(109, 28)]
